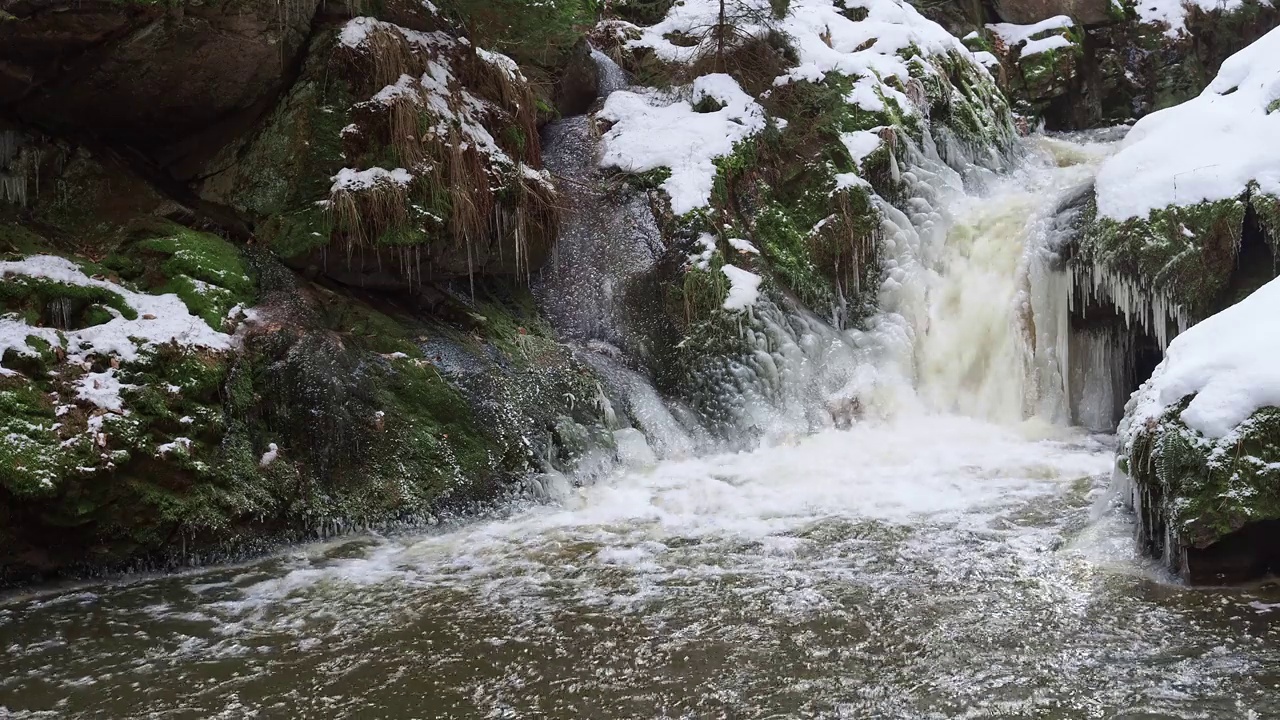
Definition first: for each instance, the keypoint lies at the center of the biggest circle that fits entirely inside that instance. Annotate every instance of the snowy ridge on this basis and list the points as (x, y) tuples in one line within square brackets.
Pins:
[(1014, 35), (1229, 362), (1207, 149)]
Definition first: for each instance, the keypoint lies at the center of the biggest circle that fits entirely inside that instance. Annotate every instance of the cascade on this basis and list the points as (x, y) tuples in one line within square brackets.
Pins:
[(973, 304)]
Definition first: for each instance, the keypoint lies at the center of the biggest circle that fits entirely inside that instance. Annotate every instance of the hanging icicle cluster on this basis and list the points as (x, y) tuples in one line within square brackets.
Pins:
[(1153, 310), (13, 175)]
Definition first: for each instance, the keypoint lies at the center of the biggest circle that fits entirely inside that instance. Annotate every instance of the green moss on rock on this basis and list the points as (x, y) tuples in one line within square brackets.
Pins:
[(1185, 252), (1201, 489)]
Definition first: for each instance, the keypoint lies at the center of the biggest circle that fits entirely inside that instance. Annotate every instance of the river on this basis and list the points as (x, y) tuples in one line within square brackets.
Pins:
[(942, 558)]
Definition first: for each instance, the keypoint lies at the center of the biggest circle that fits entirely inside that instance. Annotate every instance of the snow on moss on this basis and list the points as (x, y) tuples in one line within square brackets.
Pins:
[(651, 131), (349, 180), (828, 40), (159, 319), (1230, 363), (1207, 149)]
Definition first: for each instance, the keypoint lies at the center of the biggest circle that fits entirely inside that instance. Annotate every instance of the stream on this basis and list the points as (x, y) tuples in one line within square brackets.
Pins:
[(945, 557)]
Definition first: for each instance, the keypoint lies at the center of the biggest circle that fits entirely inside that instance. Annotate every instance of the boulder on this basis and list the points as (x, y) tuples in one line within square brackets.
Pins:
[(1026, 12), (145, 74)]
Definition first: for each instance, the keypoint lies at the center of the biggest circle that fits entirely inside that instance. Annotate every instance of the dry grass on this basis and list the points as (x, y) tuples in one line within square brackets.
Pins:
[(362, 215), (380, 60), (753, 60), (490, 203)]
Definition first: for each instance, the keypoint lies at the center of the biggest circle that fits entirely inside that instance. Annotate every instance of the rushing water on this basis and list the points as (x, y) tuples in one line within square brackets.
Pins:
[(943, 558)]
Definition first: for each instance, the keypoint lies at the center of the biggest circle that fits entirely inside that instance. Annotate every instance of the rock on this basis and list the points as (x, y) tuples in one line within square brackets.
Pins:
[(579, 84), (1027, 12), (149, 75)]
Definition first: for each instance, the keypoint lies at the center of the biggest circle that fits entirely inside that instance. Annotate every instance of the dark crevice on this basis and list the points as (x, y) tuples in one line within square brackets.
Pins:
[(1255, 263), (1250, 553), (173, 170)]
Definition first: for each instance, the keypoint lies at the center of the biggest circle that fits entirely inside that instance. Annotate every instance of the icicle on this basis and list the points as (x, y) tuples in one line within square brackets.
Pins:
[(13, 188)]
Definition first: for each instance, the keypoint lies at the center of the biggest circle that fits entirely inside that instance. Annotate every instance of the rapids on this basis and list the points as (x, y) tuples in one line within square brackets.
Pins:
[(956, 554)]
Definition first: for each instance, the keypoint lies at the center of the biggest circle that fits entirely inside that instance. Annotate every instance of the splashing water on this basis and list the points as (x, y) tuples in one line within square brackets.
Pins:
[(944, 558)]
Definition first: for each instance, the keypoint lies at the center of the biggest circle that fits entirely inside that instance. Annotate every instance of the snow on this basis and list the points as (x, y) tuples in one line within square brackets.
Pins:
[(845, 181), (1014, 35), (986, 59), (14, 334), (829, 41), (649, 133), (502, 62), (179, 444), (744, 288), (1174, 12), (437, 91), (161, 319), (1229, 362), (702, 259), (870, 50), (358, 30), (1044, 45), (1208, 148), (349, 180), (861, 143), (743, 246), (102, 389), (268, 457)]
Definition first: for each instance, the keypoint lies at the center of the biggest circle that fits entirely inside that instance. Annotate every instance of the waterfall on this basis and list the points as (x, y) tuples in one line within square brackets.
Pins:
[(611, 77), (973, 306)]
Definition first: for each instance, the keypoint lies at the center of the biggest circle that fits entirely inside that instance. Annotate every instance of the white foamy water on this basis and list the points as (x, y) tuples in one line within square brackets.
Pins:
[(952, 555)]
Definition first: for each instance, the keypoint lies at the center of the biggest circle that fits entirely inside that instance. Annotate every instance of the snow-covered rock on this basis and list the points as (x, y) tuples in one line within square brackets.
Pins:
[(650, 131), (1209, 148)]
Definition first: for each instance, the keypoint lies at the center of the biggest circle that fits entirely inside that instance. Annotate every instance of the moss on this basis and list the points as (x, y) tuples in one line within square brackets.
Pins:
[(289, 165), (20, 240), (534, 34), (31, 460), (1208, 488), (1268, 209), (1186, 252), (208, 273), (39, 299)]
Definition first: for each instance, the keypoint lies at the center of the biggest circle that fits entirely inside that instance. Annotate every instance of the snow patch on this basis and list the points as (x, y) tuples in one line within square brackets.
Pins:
[(1173, 13), (349, 180), (1044, 45), (1014, 35), (744, 288), (161, 319)]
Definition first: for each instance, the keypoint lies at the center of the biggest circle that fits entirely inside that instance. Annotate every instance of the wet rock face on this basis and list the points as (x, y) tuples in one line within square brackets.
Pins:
[(145, 74)]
